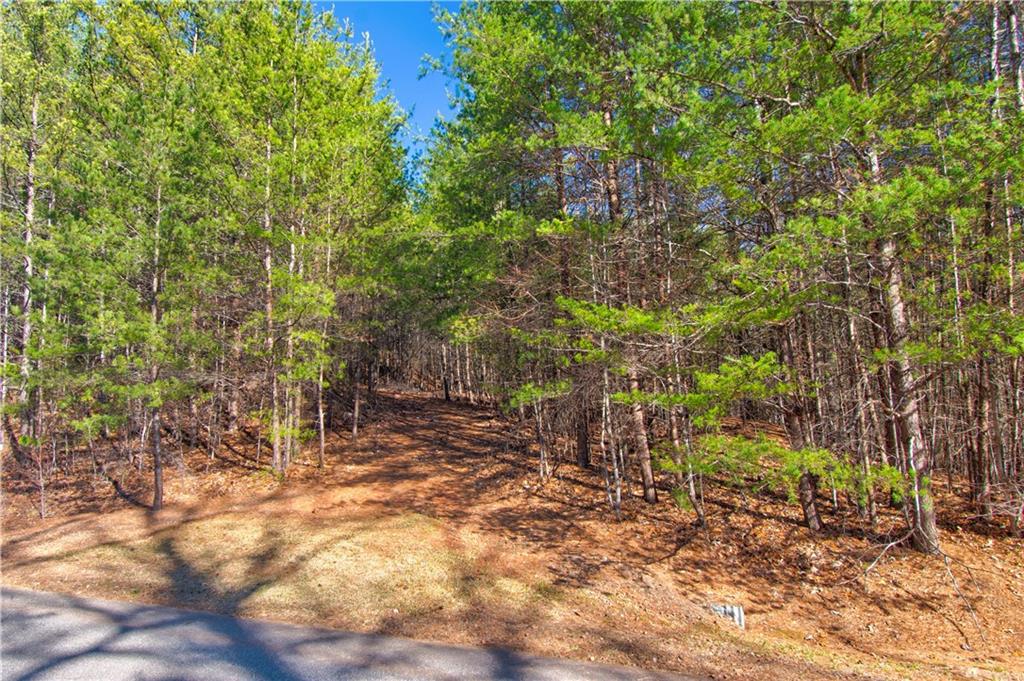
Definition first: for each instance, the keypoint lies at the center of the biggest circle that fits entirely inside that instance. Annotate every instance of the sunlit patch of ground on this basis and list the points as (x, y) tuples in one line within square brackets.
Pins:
[(429, 526)]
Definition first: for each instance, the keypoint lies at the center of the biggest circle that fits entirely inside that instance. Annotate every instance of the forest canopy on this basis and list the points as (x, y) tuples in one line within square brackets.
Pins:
[(775, 245)]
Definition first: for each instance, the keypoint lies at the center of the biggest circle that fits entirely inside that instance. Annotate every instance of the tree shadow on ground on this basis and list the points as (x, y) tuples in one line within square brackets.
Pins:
[(120, 640), (450, 463)]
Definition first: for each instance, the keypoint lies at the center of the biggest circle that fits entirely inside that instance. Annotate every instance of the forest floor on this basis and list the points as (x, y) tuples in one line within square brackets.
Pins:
[(429, 526)]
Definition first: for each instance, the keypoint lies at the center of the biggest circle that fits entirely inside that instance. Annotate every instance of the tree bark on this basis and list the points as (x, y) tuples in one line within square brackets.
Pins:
[(26, 291), (643, 450), (583, 440), (355, 407), (918, 459), (158, 469), (637, 416), (268, 266), (807, 489)]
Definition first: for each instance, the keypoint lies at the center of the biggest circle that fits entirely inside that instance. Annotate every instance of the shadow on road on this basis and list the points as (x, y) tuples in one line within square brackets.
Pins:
[(51, 636)]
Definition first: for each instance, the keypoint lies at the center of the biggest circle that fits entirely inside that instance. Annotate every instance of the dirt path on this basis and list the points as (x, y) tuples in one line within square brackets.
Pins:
[(429, 526)]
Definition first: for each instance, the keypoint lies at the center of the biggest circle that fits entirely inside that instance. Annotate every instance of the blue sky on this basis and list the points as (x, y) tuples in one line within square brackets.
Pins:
[(401, 33)]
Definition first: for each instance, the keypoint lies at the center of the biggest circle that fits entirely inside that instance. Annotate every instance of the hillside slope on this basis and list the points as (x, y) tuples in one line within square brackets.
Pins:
[(430, 526)]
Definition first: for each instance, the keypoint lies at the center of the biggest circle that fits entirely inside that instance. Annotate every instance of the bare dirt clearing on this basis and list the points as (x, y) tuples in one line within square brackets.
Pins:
[(428, 526)]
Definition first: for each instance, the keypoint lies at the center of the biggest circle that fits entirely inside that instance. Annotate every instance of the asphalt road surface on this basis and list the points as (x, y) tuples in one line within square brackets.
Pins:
[(53, 636)]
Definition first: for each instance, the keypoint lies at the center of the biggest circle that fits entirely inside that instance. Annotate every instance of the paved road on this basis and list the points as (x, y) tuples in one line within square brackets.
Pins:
[(52, 636)]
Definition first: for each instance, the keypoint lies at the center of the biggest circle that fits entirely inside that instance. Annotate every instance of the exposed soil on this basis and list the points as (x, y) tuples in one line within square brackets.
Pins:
[(431, 526)]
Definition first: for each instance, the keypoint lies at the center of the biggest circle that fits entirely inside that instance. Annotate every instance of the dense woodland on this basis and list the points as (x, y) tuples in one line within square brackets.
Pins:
[(761, 244)]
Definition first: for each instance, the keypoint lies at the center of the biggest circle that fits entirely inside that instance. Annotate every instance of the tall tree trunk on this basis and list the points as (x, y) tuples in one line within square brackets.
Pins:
[(320, 369), (26, 291), (861, 381), (565, 282), (918, 459), (1016, 60), (268, 266), (158, 469), (320, 414), (906, 405), (5, 317), (638, 418), (987, 440)]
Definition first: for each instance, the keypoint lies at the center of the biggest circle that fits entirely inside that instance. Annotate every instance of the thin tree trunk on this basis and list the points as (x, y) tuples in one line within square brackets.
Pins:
[(445, 381), (5, 315), (643, 450), (1016, 61), (794, 409), (986, 436), (637, 415), (235, 399), (158, 470), (158, 464), (268, 266), (583, 439), (320, 414), (538, 416), (614, 486), (807, 488), (355, 407), (26, 291), (320, 372), (918, 460)]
